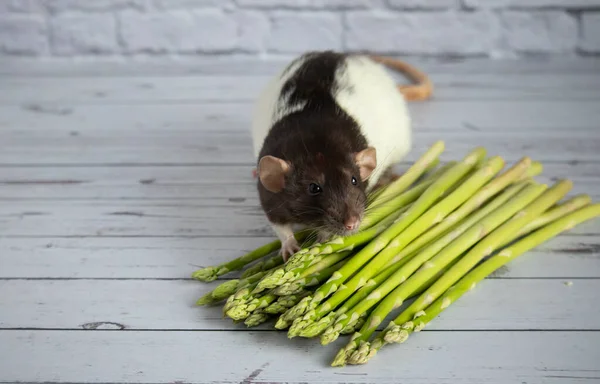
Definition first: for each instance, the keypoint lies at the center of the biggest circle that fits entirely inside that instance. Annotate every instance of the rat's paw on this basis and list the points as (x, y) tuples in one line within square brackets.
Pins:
[(289, 247), (254, 173)]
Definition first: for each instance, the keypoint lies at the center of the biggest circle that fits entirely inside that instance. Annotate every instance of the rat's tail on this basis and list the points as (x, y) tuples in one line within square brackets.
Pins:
[(418, 92)]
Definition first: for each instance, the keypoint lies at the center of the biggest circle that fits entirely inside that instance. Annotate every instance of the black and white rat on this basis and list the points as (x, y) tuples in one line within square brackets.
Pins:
[(325, 130)]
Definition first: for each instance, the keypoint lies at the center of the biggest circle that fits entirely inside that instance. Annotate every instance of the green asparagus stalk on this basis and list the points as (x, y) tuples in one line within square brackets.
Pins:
[(285, 302), (351, 319), (559, 223), (244, 302), (243, 310), (211, 273), (434, 174), (244, 298), (424, 202), (535, 169), (498, 184), (309, 280), (228, 288), (420, 225), (366, 289), (487, 245), (300, 261), (559, 210), (427, 173), (256, 318), (411, 175), (375, 214), (263, 265), (454, 249)]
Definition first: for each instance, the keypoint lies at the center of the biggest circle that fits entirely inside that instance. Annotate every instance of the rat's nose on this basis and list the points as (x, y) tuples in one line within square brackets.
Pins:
[(351, 223)]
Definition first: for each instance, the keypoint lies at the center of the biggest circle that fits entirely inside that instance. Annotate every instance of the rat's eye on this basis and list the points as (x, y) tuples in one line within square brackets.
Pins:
[(314, 189), (354, 181)]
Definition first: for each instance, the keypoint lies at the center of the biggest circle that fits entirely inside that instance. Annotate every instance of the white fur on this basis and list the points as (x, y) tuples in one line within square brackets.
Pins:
[(375, 103)]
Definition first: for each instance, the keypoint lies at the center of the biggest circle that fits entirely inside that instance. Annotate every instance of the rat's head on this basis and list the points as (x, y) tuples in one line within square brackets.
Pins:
[(322, 191)]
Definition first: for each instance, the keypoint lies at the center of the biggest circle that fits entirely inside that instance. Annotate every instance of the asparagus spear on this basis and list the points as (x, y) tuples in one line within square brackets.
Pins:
[(559, 223), (244, 302), (285, 302), (395, 276), (298, 263), (308, 280), (376, 213), (355, 317), (413, 173), (487, 245), (263, 265), (211, 273), (256, 318), (228, 288), (427, 173), (434, 174), (243, 310), (454, 249), (558, 211), (430, 217), (512, 175)]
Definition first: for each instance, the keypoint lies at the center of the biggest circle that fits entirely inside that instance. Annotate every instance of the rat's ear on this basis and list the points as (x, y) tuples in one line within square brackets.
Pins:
[(271, 172), (366, 161)]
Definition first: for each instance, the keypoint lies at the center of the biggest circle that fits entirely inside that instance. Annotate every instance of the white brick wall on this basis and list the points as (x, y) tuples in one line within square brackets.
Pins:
[(492, 28)]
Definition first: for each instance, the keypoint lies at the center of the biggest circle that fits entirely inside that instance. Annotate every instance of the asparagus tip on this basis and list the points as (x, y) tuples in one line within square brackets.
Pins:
[(205, 274)]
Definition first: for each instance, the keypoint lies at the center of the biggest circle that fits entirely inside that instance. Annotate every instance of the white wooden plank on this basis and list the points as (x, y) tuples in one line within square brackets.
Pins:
[(269, 357), (497, 304), (165, 119), (566, 256), (202, 185), (151, 257), (193, 88), (212, 148), (250, 65), (123, 218)]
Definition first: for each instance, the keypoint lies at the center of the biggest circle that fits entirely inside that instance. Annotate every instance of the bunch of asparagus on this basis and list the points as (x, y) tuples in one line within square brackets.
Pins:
[(431, 235)]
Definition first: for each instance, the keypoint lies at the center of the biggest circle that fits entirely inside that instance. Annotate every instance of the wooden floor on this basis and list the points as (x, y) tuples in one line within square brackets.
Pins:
[(117, 181)]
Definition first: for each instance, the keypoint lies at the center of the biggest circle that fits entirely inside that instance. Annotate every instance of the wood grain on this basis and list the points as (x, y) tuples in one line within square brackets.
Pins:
[(196, 185), (237, 65), (73, 304), (221, 148), (566, 256), (200, 88), (163, 119), (269, 357), (145, 218)]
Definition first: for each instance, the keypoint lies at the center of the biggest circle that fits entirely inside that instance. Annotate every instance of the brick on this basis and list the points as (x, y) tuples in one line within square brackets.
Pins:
[(253, 30), (422, 4), (422, 32), (297, 32), (590, 30), (23, 35), (306, 4), (187, 4), (25, 6), (94, 5), (542, 31), (527, 4), (207, 30), (74, 34)]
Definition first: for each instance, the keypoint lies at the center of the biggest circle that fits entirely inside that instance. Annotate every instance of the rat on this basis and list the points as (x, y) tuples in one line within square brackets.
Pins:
[(326, 130)]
